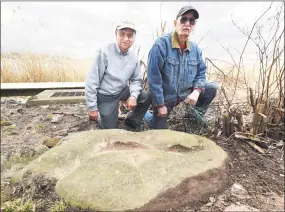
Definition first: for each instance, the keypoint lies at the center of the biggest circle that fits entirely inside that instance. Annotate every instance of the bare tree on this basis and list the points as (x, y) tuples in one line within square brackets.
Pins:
[(268, 93)]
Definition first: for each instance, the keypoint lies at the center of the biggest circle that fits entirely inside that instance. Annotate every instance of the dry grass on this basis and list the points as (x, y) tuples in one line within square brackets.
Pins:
[(20, 67)]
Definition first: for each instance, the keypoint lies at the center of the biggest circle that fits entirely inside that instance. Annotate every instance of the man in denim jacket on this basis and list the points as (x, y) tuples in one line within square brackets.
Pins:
[(176, 71)]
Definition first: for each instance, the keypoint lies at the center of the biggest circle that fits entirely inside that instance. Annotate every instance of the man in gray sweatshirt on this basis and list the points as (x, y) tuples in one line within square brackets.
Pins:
[(116, 76)]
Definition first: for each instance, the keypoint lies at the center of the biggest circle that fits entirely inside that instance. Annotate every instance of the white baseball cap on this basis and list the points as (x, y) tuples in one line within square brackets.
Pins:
[(126, 24)]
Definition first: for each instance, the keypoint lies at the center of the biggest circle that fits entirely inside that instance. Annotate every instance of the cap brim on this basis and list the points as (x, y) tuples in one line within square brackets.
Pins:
[(126, 26)]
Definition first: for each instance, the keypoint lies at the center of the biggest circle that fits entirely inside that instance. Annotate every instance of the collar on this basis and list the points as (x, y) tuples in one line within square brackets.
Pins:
[(119, 50), (175, 41)]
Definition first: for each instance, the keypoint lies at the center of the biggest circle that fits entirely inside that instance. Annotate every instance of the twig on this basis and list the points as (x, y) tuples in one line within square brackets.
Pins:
[(207, 59), (252, 99), (203, 37), (225, 95), (240, 59), (230, 137)]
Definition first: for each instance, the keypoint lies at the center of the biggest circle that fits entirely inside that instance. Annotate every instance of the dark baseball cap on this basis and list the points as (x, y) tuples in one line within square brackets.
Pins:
[(186, 9)]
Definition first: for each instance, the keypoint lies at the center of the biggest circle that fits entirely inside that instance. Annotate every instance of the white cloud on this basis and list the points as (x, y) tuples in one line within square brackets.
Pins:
[(79, 28), (248, 12)]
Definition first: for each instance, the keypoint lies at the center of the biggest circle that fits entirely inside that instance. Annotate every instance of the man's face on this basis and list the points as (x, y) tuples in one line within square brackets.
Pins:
[(125, 38), (185, 24)]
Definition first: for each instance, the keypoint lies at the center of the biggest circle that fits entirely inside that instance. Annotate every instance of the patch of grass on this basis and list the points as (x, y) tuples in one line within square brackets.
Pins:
[(49, 116), (41, 126), (5, 122), (8, 162), (23, 67), (60, 206), (19, 205), (11, 129)]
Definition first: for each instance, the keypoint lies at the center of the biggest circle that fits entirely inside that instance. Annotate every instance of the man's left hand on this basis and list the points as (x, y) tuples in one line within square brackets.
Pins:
[(131, 103), (192, 98)]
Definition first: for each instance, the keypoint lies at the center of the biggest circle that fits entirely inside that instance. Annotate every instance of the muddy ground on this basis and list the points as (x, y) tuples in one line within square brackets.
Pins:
[(25, 129)]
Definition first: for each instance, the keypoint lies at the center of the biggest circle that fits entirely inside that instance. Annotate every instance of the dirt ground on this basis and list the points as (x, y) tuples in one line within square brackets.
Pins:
[(24, 129)]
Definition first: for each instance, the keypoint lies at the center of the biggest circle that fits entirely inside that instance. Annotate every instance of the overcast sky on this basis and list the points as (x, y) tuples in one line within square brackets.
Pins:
[(77, 29)]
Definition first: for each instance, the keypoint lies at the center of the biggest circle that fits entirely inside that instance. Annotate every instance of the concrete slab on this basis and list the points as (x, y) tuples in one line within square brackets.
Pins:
[(49, 97)]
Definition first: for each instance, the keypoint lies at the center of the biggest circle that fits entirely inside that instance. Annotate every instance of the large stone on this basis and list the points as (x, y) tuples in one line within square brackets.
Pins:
[(116, 170)]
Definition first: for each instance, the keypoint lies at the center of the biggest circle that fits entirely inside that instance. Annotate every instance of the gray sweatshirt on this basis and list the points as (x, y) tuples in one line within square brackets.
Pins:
[(111, 72)]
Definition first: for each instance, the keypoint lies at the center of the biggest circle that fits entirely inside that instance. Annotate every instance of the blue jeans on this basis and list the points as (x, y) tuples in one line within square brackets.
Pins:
[(108, 109), (204, 100)]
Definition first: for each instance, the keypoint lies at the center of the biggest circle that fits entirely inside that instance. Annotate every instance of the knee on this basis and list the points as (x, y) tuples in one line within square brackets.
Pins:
[(105, 113), (145, 97), (212, 87), (107, 121)]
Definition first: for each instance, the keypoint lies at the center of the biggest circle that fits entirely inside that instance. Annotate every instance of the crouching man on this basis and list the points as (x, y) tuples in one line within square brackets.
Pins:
[(176, 72), (116, 76)]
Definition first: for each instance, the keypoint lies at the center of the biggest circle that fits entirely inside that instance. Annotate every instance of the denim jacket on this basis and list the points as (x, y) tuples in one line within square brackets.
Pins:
[(172, 75)]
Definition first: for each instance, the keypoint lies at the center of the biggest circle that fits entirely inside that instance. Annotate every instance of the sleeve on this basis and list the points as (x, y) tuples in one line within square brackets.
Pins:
[(200, 79), (154, 77), (93, 80), (136, 81)]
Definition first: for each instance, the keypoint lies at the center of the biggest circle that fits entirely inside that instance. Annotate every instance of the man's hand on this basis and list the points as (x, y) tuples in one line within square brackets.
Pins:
[(93, 115), (192, 98), (162, 111), (131, 103)]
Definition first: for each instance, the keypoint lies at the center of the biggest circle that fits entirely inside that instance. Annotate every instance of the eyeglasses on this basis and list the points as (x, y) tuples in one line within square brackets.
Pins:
[(123, 34), (183, 20)]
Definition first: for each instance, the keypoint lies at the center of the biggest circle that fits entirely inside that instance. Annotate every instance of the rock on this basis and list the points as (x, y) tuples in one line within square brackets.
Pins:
[(117, 170), (212, 199), (44, 106), (235, 208), (51, 142), (11, 101), (56, 118), (20, 110), (239, 191), (280, 144), (29, 127), (15, 100)]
